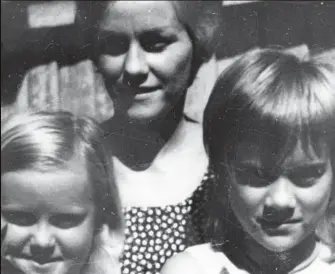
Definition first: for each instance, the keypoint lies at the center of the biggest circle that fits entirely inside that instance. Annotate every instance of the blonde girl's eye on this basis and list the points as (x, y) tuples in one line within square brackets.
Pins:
[(19, 218), (67, 220)]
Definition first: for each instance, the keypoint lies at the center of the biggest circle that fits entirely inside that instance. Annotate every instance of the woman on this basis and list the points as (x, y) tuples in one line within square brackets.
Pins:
[(149, 53)]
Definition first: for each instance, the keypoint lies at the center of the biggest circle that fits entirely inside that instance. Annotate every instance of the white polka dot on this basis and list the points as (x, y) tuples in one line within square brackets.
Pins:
[(147, 256)]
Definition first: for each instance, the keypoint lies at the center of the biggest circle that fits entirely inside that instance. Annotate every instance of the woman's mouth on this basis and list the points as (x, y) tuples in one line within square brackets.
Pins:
[(145, 90)]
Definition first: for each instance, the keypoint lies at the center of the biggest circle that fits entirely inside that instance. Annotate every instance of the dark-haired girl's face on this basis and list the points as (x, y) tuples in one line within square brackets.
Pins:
[(145, 55), (279, 202)]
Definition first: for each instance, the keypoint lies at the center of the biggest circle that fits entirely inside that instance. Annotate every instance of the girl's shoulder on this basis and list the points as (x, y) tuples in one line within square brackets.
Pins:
[(200, 259), (318, 266)]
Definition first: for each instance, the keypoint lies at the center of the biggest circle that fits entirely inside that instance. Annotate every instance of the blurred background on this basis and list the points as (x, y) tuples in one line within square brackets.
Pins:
[(42, 49)]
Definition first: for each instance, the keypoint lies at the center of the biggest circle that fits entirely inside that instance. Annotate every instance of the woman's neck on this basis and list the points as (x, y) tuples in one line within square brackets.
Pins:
[(261, 260), (135, 144)]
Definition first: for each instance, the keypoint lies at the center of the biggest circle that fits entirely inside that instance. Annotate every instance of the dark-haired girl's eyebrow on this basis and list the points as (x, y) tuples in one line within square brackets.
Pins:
[(307, 165)]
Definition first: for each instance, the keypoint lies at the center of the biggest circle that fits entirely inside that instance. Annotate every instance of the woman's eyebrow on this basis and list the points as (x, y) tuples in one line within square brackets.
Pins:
[(103, 34)]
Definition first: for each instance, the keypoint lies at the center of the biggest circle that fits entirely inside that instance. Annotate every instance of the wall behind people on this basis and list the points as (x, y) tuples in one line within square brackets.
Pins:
[(41, 47)]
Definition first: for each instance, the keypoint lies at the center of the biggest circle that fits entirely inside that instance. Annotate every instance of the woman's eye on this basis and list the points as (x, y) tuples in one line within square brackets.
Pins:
[(154, 42), (20, 218), (112, 45), (64, 220), (155, 47)]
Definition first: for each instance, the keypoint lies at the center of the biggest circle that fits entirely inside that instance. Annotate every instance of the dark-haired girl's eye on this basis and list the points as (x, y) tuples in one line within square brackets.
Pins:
[(254, 176), (307, 176), (19, 218)]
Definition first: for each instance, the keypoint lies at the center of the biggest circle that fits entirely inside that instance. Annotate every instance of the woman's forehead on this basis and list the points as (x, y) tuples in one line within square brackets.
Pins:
[(138, 15)]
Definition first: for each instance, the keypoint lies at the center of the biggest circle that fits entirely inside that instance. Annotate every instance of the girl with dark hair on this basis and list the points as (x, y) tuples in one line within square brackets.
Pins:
[(269, 131)]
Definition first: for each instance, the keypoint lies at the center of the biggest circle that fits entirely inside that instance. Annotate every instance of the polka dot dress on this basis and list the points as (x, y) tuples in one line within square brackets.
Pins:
[(154, 234)]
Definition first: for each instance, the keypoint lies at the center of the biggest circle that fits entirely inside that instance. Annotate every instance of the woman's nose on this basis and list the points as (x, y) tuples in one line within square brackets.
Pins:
[(136, 67)]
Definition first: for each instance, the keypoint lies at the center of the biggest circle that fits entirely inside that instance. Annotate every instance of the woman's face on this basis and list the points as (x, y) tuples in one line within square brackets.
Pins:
[(279, 205), (145, 56), (50, 218)]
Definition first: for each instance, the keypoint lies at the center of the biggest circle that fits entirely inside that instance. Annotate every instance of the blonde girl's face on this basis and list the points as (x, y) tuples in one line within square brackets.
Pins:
[(279, 205), (50, 218)]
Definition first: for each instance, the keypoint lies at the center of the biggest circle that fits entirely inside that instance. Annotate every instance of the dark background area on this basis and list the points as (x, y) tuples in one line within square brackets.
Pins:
[(262, 23)]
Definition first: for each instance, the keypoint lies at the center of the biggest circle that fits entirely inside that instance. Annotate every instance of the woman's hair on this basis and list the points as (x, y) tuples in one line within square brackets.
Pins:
[(272, 92), (200, 18), (46, 142)]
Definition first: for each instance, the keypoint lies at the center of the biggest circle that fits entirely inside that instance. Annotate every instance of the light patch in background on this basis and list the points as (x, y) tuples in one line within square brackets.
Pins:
[(231, 3), (51, 14)]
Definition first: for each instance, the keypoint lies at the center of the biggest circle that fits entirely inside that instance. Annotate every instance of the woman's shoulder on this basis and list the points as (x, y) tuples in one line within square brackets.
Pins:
[(200, 259)]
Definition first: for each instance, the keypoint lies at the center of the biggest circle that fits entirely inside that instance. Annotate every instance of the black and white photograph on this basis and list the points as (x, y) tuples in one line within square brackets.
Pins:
[(168, 137)]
